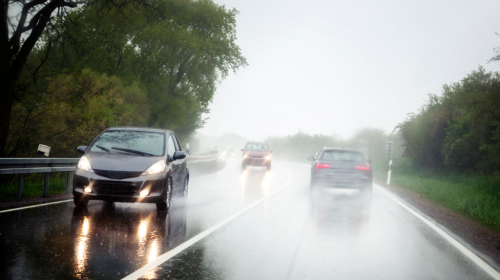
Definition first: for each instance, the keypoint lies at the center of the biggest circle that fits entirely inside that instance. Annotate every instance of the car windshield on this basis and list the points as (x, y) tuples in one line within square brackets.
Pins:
[(256, 147), (336, 155), (132, 142)]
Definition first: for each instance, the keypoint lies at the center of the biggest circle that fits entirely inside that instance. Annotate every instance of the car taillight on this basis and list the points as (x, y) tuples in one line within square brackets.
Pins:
[(322, 165), (361, 167)]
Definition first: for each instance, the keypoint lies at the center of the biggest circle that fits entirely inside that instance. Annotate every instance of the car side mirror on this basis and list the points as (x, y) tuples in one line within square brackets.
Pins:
[(311, 158), (179, 155), (242, 150), (81, 149), (369, 161)]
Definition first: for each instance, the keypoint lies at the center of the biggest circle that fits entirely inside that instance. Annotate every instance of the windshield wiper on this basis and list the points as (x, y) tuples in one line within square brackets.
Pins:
[(103, 148), (132, 151)]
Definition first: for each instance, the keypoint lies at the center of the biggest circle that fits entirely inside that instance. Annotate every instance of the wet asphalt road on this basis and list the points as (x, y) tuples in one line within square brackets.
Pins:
[(295, 234)]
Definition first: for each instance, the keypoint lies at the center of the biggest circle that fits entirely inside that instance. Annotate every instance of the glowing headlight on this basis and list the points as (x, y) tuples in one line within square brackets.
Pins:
[(246, 156), (155, 168), (84, 164), (88, 189), (144, 193), (267, 157)]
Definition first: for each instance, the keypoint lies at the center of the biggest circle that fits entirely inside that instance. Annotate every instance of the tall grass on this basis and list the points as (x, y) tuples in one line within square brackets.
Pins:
[(33, 186), (475, 196)]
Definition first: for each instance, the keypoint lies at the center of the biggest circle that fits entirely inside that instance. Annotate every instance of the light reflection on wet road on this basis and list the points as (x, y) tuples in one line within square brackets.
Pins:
[(297, 234)]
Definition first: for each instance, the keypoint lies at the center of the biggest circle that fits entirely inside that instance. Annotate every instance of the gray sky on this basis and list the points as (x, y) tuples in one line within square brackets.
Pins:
[(339, 66)]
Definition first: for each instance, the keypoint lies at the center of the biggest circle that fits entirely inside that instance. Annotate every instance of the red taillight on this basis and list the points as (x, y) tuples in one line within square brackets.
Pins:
[(361, 167), (322, 165)]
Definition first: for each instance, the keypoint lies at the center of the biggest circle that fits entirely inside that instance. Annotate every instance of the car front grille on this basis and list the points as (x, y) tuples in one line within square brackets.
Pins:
[(116, 188), (117, 174), (255, 157)]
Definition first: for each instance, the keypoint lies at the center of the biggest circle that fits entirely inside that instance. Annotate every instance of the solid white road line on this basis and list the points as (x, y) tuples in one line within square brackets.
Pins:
[(477, 260), (33, 206), (172, 253)]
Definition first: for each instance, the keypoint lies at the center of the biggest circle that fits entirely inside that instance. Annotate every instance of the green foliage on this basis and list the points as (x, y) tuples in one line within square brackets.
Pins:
[(473, 195), (177, 53), (74, 110), (460, 129), (124, 63)]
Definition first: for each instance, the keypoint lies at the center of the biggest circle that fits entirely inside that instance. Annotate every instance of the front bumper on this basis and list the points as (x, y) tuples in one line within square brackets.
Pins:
[(256, 162), (119, 190), (343, 183)]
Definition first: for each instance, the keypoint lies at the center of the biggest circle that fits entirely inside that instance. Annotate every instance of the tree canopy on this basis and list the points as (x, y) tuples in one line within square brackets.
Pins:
[(170, 53)]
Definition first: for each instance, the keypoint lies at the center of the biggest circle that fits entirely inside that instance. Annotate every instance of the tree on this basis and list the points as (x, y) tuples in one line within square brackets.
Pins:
[(22, 25), (174, 51)]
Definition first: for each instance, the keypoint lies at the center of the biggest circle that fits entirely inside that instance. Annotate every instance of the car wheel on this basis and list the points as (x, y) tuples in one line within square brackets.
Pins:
[(268, 166), (80, 200), (164, 203), (313, 183), (243, 166), (186, 189)]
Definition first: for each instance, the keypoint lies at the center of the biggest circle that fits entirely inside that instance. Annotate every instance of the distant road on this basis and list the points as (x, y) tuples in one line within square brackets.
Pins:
[(247, 225)]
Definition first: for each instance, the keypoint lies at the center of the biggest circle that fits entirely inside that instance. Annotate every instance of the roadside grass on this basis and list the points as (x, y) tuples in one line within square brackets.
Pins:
[(33, 186), (474, 196)]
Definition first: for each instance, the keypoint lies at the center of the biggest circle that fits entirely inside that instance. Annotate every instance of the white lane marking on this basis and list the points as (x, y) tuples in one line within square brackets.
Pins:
[(172, 253), (33, 206), (477, 260)]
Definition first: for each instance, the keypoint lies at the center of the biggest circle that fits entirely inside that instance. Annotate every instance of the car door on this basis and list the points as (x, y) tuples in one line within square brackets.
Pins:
[(174, 164)]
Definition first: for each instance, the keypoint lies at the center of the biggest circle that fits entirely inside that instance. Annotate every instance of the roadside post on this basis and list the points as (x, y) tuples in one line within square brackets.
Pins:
[(388, 148), (389, 173)]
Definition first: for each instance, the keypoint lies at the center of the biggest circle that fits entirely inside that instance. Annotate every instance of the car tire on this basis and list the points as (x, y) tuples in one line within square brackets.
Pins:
[(164, 203), (268, 167), (243, 166), (80, 201), (186, 188)]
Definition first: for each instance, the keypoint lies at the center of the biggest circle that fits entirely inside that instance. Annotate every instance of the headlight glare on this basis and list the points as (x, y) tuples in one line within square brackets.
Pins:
[(84, 164), (155, 168)]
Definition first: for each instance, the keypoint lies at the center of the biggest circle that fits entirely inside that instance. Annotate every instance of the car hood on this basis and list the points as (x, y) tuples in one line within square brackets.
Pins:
[(118, 162), (255, 153)]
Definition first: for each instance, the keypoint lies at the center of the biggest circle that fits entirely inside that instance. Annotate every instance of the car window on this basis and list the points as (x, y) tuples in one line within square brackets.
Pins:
[(170, 148), (139, 141), (336, 155), (177, 144), (256, 147)]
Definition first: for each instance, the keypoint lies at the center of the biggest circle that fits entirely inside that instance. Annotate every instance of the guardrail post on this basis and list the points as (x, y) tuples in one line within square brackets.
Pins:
[(68, 181), (20, 183), (46, 184)]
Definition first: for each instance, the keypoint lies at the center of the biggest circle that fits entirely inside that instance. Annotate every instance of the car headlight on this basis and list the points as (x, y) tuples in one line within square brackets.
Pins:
[(84, 164), (267, 157), (155, 168), (246, 156)]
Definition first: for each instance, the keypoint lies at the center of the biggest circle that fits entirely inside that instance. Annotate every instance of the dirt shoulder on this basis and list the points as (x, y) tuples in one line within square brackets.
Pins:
[(482, 240)]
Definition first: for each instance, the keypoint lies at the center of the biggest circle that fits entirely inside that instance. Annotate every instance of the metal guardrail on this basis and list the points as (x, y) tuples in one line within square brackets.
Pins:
[(21, 166)]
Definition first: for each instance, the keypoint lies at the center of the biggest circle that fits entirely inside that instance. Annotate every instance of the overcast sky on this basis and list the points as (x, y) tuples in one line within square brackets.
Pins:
[(339, 66)]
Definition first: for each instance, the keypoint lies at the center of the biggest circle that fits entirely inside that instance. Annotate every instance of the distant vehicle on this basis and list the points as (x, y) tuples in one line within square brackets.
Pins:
[(340, 168), (256, 154), (128, 164)]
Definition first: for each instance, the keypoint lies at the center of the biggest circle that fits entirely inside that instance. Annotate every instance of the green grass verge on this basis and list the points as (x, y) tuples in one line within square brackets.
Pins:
[(475, 196), (33, 186)]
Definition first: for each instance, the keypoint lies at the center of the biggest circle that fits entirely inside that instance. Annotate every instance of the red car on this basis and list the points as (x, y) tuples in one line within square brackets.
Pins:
[(256, 154)]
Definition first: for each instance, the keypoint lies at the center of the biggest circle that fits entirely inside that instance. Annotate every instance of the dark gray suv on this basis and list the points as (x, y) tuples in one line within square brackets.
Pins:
[(341, 168)]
